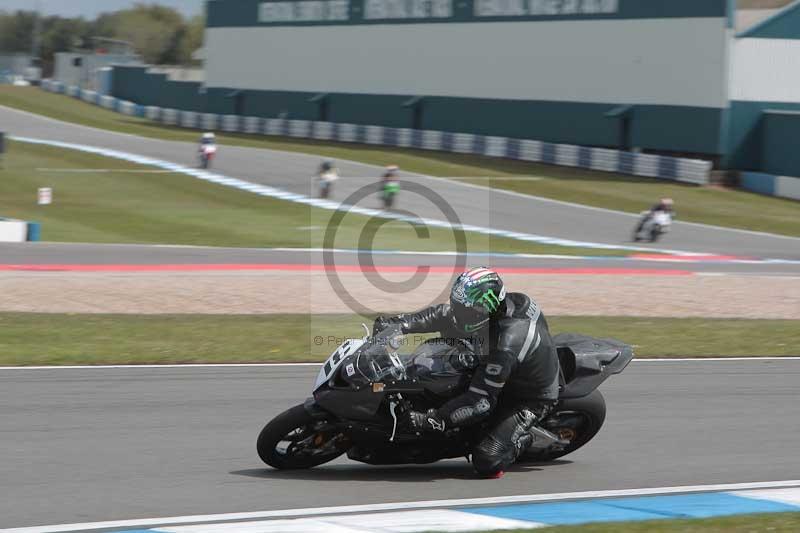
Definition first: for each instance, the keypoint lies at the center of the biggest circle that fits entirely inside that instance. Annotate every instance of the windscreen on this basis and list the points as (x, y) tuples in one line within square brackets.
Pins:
[(377, 363)]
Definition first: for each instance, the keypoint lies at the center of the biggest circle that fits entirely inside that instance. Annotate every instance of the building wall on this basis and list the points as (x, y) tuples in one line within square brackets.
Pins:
[(765, 78), (779, 143), (549, 70), (85, 74), (610, 62), (136, 84)]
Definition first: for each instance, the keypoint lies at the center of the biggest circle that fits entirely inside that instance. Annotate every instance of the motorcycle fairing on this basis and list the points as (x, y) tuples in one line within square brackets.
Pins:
[(586, 362), (353, 404), (328, 370)]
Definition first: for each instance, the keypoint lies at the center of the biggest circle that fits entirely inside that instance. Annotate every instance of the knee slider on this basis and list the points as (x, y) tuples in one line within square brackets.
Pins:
[(486, 465)]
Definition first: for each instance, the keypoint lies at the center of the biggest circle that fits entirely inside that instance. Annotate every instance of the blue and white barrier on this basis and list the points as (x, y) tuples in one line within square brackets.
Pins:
[(12, 230), (648, 165), (781, 186)]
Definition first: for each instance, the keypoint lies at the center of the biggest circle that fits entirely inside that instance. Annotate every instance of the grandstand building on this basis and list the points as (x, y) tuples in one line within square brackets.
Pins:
[(665, 77)]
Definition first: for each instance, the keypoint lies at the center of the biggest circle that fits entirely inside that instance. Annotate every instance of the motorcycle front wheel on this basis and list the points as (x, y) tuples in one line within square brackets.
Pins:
[(295, 440), (655, 233), (575, 420)]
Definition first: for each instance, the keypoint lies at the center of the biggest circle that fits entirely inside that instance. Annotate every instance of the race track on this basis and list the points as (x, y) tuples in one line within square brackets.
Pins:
[(121, 443), (100, 444), (479, 206), (41, 254)]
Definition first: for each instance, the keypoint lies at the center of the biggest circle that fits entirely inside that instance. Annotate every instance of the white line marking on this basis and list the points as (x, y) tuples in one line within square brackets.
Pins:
[(502, 178), (432, 504), (448, 253), (391, 522), (104, 171), (787, 496), (289, 365)]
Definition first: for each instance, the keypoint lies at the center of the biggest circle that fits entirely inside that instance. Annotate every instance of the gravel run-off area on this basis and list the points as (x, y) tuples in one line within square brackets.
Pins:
[(713, 296)]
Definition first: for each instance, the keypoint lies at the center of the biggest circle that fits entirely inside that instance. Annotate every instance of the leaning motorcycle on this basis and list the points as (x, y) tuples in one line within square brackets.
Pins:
[(207, 153), (390, 191), (652, 226), (365, 384), (326, 180)]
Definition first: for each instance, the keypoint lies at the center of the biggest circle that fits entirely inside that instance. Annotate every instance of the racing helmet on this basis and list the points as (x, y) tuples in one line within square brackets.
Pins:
[(209, 136), (477, 295)]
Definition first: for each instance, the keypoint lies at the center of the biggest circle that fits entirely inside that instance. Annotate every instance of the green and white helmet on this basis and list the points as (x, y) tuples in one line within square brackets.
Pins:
[(476, 296)]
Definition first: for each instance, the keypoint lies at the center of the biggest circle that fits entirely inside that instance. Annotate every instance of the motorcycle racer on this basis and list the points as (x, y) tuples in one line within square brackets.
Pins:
[(326, 175), (516, 381), (390, 187), (208, 149), (665, 205)]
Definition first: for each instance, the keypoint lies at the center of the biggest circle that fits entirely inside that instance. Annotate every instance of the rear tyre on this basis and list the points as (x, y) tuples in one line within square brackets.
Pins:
[(577, 420), (296, 440)]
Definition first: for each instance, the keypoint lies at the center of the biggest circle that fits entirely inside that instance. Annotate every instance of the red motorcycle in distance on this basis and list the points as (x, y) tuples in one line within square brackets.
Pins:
[(208, 149)]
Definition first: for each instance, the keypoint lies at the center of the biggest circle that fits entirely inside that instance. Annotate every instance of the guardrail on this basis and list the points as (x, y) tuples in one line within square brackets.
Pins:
[(780, 186), (607, 160)]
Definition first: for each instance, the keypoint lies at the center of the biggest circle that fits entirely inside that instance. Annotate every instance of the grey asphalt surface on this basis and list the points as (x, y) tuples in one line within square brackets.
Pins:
[(101, 444), (131, 254), (493, 208)]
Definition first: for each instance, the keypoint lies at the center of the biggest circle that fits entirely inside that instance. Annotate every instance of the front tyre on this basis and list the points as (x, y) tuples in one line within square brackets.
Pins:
[(575, 420), (295, 440)]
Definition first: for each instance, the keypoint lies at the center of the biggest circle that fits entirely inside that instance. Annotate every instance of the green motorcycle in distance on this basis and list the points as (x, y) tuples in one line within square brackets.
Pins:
[(390, 190), (390, 186)]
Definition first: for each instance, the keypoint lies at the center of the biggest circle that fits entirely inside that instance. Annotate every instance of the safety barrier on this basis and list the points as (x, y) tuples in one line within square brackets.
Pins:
[(606, 160), (12, 230), (781, 186)]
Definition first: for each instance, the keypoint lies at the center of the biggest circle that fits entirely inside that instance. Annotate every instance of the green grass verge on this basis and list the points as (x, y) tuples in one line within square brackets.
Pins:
[(756, 523), (707, 205), (64, 339), (125, 206)]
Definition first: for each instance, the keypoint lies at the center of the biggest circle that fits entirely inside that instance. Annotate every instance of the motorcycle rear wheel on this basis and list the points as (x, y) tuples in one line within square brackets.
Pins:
[(577, 420), (295, 440)]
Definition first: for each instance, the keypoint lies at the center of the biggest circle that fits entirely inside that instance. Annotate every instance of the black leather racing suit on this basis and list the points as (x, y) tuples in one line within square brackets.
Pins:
[(516, 380)]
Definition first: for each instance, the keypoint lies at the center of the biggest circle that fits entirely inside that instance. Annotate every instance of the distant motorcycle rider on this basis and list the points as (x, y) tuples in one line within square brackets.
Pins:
[(665, 205), (516, 380), (326, 175), (208, 138), (390, 185)]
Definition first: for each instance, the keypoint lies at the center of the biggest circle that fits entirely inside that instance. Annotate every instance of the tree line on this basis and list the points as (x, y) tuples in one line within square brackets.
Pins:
[(161, 35)]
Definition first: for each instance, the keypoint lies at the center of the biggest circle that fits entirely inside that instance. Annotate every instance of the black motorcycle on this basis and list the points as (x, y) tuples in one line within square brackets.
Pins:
[(365, 385)]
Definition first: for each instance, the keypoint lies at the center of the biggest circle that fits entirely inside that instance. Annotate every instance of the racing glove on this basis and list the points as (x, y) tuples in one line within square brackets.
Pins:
[(428, 422), (380, 324)]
